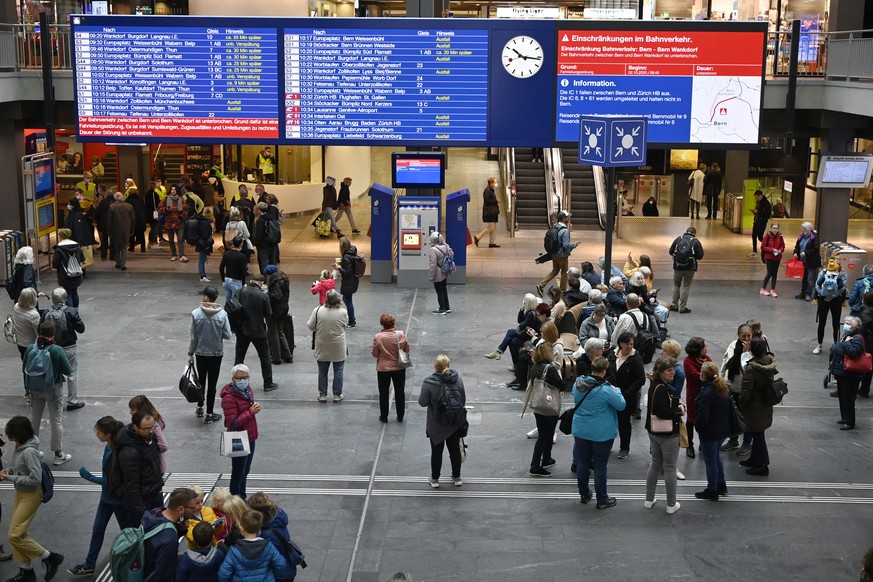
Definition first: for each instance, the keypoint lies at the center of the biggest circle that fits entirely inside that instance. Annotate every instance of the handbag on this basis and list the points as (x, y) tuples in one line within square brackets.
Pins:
[(794, 269), (541, 397), (565, 421), (683, 436), (88, 253), (738, 423), (189, 385), (657, 424), (235, 444), (404, 359), (317, 309), (860, 365)]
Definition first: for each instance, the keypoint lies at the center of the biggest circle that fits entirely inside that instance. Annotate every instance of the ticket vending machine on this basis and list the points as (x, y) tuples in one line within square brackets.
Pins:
[(417, 218)]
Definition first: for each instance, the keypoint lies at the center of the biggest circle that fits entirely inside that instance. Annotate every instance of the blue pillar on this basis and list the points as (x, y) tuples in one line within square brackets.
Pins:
[(456, 232), (381, 234)]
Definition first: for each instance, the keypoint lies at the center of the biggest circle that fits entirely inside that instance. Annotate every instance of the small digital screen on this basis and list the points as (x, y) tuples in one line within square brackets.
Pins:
[(844, 171), (46, 217), (43, 179), (418, 170), (410, 240)]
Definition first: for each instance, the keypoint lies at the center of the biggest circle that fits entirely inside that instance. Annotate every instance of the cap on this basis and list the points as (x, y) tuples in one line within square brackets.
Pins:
[(64, 233), (210, 292), (563, 214), (270, 269)]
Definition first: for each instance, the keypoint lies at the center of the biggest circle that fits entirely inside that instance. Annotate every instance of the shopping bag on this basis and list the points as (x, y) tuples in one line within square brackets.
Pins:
[(235, 444), (794, 269), (89, 257)]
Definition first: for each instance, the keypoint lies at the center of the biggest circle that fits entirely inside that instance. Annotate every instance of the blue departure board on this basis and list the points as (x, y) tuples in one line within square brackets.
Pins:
[(176, 83), (386, 85)]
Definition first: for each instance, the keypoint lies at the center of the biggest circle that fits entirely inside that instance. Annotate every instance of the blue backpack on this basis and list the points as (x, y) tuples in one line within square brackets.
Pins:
[(39, 373), (830, 286), (47, 483)]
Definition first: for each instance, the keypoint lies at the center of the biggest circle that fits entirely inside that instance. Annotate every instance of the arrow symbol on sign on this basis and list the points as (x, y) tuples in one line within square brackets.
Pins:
[(636, 131), (635, 151)]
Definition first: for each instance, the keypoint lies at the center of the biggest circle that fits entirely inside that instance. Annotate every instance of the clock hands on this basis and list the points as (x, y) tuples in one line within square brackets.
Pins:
[(525, 57)]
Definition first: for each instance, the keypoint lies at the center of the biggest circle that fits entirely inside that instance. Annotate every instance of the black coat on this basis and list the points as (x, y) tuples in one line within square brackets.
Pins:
[(81, 227), (349, 283), (490, 206), (712, 415), (140, 464), (345, 196), (60, 258), (630, 377), (328, 198), (151, 203), (256, 309), (139, 211), (101, 215), (204, 235), (279, 294), (813, 251)]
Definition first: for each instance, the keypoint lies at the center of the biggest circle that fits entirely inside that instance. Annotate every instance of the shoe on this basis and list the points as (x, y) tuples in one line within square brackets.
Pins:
[(753, 255), (513, 384), (746, 463), (649, 504), (351, 325), (183, 259), (707, 494), (173, 259), (607, 503), (81, 570), (744, 451), (60, 460), (540, 291), (638, 414), (764, 292), (867, 395), (23, 576), (123, 268), (847, 426), (322, 398), (495, 355), (533, 434), (539, 472), (71, 406), (288, 360), (153, 247), (817, 350), (680, 475), (399, 419), (199, 412), (356, 231), (809, 298), (117, 266), (674, 308), (722, 491), (456, 481), (438, 312), (684, 310), (52, 563), (689, 452), (549, 463), (210, 418), (434, 483), (623, 453), (773, 293), (584, 498), (758, 471), (339, 234), (205, 280), (383, 419), (476, 240), (338, 397), (842, 421), (800, 296), (493, 246), (270, 387), (448, 310), (512, 369), (835, 394), (516, 386), (671, 509), (731, 445)]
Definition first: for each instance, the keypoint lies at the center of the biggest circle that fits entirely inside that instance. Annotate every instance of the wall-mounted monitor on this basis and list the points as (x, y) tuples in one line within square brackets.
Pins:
[(418, 170), (849, 171)]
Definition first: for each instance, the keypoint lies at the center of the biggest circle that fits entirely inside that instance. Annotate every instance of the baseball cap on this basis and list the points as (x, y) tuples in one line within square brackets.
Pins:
[(563, 214)]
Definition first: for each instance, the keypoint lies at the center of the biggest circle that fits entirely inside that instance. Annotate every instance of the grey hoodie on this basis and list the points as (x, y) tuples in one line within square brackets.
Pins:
[(26, 470), (209, 327)]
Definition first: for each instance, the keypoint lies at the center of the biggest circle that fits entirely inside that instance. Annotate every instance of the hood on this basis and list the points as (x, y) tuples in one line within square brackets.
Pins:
[(152, 519), (32, 443), (279, 521), (353, 250), (68, 245), (128, 438), (202, 556), (437, 379), (766, 364), (210, 309), (588, 382), (252, 549)]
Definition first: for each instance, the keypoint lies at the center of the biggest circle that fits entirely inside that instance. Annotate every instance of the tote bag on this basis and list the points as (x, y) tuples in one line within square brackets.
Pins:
[(659, 425), (235, 444), (541, 397), (404, 359)]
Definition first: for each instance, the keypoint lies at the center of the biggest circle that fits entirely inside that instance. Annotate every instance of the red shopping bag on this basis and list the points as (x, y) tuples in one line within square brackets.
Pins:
[(794, 269), (469, 237)]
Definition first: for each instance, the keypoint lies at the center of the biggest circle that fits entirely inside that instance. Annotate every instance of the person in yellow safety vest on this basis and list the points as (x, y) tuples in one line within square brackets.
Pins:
[(88, 187), (129, 185), (265, 163), (160, 189), (195, 201)]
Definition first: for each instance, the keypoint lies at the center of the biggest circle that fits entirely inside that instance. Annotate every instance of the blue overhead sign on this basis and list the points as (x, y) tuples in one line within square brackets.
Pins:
[(612, 141)]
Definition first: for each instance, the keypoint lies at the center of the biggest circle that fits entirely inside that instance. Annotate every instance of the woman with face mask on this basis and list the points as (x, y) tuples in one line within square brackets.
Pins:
[(240, 413), (772, 249), (850, 346)]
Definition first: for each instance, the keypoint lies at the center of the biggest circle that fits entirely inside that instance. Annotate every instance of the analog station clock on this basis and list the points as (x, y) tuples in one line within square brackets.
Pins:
[(522, 56)]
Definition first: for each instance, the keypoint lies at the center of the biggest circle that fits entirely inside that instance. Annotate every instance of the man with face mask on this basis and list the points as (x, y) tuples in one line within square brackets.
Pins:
[(88, 187), (253, 330)]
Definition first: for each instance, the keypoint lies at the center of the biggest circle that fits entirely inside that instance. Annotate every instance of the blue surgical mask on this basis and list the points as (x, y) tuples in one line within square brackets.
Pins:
[(241, 384), (847, 329)]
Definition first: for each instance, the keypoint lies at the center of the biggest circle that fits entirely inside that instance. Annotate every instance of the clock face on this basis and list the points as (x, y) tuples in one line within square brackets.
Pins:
[(522, 57)]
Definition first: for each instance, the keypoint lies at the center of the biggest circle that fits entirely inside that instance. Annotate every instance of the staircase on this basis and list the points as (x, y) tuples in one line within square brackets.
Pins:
[(583, 204), (530, 184), (110, 167)]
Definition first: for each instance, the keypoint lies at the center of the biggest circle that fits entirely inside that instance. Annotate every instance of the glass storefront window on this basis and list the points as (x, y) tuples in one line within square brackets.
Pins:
[(269, 163)]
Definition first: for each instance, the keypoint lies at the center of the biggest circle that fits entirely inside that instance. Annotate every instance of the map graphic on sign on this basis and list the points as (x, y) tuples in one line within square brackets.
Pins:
[(725, 109)]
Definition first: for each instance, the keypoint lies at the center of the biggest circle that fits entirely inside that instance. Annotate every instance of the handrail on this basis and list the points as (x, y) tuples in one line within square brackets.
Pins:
[(506, 164), (558, 179), (600, 194), (553, 188)]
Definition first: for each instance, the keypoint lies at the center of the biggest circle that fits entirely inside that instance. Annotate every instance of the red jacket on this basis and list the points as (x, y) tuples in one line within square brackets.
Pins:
[(239, 409), (693, 384), (772, 243)]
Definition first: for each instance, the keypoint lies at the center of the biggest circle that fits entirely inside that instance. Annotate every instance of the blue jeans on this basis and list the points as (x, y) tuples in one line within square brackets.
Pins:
[(337, 386), (350, 307), (239, 472), (585, 453), (511, 334), (98, 530), (201, 263), (231, 286), (714, 469), (807, 284)]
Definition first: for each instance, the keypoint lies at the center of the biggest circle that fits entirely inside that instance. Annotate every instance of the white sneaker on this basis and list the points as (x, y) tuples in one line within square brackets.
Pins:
[(64, 458), (817, 350), (457, 481), (183, 259), (533, 434), (155, 247), (434, 483), (680, 475), (205, 280), (173, 259), (650, 504), (338, 397), (671, 509)]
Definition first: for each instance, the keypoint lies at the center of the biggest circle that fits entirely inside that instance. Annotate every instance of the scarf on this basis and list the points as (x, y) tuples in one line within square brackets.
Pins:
[(242, 392), (178, 201)]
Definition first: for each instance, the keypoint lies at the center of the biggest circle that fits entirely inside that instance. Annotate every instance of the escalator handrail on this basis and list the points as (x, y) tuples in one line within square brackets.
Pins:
[(557, 176), (600, 194), (553, 185)]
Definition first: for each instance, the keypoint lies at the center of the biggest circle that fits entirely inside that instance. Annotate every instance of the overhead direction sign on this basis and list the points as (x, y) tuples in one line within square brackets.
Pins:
[(612, 141)]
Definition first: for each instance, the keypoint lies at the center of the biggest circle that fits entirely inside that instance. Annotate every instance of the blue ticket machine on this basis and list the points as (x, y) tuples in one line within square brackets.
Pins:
[(455, 232), (417, 218), (381, 234)]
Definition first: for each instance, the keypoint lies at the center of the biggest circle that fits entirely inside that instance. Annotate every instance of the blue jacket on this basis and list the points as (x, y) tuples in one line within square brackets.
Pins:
[(252, 561), (105, 493), (678, 382), (279, 525), (595, 420), (200, 565), (566, 247), (209, 328), (856, 297), (160, 551), (851, 346), (712, 419)]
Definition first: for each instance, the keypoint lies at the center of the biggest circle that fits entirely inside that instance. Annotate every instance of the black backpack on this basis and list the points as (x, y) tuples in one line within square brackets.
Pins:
[(450, 409), (272, 232), (552, 240), (47, 483), (646, 341), (234, 310), (192, 231), (359, 266), (683, 252)]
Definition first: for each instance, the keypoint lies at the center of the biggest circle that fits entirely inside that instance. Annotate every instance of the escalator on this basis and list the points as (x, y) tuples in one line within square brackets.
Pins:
[(584, 195), (530, 184)]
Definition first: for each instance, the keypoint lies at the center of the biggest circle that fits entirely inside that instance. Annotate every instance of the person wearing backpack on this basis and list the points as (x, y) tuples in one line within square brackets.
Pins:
[(686, 251), (349, 282), (444, 396), (439, 270), (275, 530), (757, 378), (852, 346), (68, 323), (267, 235), (862, 286), (204, 243), (830, 291), (120, 224), (45, 365), (160, 551), (26, 476), (67, 261), (558, 245)]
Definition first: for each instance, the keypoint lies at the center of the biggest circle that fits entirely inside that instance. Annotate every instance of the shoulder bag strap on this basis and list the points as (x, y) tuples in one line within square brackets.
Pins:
[(598, 385)]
